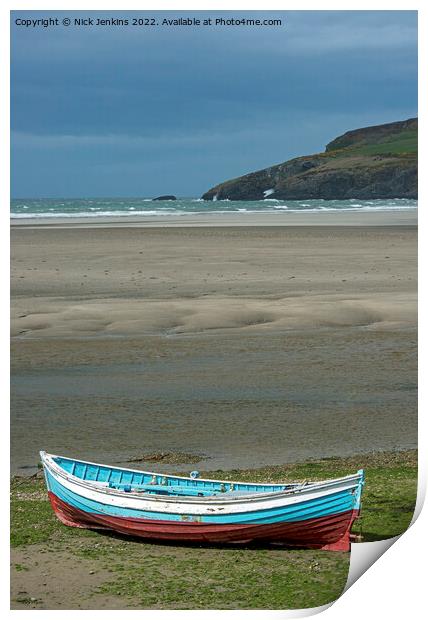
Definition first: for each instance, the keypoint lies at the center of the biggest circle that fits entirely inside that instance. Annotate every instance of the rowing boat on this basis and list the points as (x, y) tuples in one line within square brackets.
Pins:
[(193, 509)]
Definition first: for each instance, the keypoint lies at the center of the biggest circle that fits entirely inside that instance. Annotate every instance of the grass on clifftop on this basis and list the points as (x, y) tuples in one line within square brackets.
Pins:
[(181, 577), (398, 144)]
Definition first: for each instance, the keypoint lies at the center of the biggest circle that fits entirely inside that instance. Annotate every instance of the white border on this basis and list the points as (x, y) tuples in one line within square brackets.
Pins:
[(394, 586)]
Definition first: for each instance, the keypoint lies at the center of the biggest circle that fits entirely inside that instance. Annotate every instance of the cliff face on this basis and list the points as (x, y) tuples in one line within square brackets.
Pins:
[(367, 163)]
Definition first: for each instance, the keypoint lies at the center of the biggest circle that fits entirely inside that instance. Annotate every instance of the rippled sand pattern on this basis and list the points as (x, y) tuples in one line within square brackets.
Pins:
[(246, 345)]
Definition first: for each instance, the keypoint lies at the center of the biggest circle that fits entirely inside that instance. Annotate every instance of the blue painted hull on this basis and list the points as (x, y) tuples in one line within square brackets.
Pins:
[(342, 501)]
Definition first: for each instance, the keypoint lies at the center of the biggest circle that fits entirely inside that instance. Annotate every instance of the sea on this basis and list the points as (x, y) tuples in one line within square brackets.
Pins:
[(132, 207)]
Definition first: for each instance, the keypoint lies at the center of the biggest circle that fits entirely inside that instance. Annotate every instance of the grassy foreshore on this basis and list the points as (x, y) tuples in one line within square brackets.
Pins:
[(55, 567)]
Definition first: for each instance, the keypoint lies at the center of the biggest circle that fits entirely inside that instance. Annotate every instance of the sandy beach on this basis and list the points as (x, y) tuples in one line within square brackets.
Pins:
[(242, 345)]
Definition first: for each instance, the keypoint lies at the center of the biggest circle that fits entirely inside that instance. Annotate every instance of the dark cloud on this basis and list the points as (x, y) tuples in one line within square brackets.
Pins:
[(123, 111)]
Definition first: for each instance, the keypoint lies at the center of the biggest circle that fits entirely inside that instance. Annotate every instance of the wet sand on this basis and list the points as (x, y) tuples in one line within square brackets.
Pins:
[(246, 345), (399, 217)]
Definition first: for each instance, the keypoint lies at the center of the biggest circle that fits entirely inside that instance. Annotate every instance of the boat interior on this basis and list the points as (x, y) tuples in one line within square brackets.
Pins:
[(128, 481)]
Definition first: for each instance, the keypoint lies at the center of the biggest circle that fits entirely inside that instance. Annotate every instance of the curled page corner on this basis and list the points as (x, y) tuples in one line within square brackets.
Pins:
[(363, 555)]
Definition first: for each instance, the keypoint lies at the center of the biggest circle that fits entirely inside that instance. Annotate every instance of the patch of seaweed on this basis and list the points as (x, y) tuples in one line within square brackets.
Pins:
[(167, 457)]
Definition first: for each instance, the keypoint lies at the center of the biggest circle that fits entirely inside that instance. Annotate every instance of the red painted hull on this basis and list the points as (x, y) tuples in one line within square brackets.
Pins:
[(331, 533)]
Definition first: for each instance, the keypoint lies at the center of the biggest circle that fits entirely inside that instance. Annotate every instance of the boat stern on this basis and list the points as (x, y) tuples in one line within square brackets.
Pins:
[(359, 489)]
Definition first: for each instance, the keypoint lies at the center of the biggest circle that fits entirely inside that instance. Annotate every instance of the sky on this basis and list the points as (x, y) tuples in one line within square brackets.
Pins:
[(143, 111)]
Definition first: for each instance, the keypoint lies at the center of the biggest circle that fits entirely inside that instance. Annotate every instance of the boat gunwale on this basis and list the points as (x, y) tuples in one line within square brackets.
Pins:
[(355, 481)]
